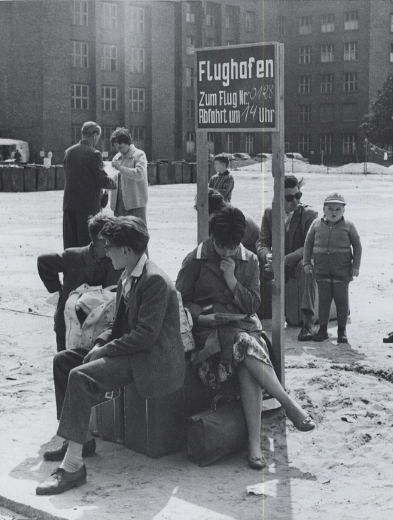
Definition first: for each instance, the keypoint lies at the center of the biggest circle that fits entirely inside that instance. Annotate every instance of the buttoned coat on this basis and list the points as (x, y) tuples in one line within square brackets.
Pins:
[(146, 331)]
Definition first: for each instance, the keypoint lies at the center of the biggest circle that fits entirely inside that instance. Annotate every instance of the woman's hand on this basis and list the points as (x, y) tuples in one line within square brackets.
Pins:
[(96, 352), (116, 164), (227, 266), (211, 321)]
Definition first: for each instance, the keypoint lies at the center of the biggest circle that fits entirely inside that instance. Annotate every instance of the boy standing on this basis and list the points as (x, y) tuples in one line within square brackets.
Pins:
[(222, 181)]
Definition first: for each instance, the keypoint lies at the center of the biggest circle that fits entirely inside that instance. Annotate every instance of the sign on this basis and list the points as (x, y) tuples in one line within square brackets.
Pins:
[(237, 88)]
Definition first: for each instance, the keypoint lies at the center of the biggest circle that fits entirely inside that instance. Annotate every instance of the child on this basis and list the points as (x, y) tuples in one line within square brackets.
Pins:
[(335, 246), (222, 181)]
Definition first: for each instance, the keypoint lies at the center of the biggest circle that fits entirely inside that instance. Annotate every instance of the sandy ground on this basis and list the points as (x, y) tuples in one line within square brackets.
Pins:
[(344, 469)]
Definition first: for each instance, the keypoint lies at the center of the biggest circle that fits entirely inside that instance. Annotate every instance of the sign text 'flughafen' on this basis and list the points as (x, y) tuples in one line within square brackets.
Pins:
[(237, 88)]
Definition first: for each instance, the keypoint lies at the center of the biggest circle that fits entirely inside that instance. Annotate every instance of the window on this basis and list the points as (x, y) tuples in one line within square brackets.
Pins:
[(138, 60), (79, 12), (350, 51), (391, 22), (190, 109), (229, 143), (210, 137), (75, 134), (305, 84), (305, 25), (305, 113), (281, 25), (190, 45), (351, 21), (138, 135), (109, 16), (303, 143), (327, 54), (230, 17), (326, 143), (137, 99), (190, 142), (326, 113), (80, 55), (189, 77), (250, 21), (305, 55), (109, 96), (138, 19), (250, 138), (350, 112), (210, 42), (327, 23), (106, 145), (210, 14), (327, 83), (350, 83), (349, 144), (190, 12), (79, 96), (391, 53), (109, 57)]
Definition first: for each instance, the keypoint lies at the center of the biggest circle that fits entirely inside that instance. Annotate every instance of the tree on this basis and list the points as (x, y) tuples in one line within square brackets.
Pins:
[(378, 123)]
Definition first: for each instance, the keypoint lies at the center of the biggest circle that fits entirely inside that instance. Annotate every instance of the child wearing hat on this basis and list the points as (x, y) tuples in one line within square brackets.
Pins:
[(334, 245)]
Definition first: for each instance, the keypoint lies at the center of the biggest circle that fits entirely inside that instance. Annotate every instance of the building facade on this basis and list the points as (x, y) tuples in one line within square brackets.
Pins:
[(131, 63)]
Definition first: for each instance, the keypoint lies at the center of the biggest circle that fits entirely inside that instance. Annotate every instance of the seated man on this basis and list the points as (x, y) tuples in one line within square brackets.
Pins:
[(143, 345), (298, 219), (79, 265)]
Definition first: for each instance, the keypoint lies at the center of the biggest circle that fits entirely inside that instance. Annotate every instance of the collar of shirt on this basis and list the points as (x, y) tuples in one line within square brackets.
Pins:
[(130, 152), (127, 278)]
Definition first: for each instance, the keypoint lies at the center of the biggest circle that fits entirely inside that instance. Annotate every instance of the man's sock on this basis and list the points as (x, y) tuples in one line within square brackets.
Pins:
[(73, 457)]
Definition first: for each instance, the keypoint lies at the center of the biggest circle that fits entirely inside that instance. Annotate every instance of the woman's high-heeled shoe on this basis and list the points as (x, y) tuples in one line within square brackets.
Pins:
[(306, 425), (256, 462)]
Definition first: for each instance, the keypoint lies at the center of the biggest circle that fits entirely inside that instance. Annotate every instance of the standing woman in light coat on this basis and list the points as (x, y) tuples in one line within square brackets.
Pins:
[(130, 197)]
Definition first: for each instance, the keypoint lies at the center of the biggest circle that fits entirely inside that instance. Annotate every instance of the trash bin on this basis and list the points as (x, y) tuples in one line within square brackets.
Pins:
[(60, 177), (30, 178), (163, 176), (46, 178), (187, 173), (152, 173), (12, 178), (177, 172), (193, 172)]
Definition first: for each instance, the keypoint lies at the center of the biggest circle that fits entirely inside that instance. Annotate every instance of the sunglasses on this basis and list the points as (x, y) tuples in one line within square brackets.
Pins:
[(297, 196)]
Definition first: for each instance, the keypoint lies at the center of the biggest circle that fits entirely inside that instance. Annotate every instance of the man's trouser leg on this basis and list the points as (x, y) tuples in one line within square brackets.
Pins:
[(86, 387), (75, 230), (63, 363), (308, 283)]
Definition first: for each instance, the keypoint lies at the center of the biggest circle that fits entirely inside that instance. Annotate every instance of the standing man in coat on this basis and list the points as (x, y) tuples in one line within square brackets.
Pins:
[(85, 178), (298, 219), (143, 345)]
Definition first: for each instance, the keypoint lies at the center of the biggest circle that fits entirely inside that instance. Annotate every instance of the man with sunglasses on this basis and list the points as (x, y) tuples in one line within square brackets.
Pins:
[(298, 218)]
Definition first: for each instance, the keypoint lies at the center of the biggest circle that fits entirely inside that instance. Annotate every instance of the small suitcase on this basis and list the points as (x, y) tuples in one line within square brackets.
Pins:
[(107, 420), (154, 427)]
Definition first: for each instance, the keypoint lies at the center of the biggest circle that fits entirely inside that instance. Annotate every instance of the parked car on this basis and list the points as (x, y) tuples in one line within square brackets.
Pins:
[(296, 155), (242, 156), (260, 157)]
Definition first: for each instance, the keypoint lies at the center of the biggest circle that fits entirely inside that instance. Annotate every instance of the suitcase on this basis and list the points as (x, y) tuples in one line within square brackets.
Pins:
[(154, 427), (107, 420)]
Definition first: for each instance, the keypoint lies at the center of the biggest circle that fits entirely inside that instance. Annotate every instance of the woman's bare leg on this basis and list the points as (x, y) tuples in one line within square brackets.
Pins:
[(251, 397)]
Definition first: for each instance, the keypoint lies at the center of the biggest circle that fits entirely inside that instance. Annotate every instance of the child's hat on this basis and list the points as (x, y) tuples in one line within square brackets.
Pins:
[(335, 197)]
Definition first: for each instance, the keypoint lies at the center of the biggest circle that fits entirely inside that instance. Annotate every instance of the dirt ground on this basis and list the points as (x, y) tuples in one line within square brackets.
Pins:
[(344, 469)]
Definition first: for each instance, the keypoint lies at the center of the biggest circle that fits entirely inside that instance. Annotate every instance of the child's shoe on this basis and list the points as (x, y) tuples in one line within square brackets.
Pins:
[(322, 334), (342, 335)]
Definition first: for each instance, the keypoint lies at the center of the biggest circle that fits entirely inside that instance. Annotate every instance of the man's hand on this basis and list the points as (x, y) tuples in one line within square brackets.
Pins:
[(307, 269), (96, 352), (116, 164), (227, 266), (355, 272), (211, 321)]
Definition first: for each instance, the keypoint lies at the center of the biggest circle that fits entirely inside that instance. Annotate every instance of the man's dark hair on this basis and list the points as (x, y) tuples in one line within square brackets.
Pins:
[(227, 227), (215, 201), (95, 223), (292, 182), (121, 135), (222, 158), (90, 128), (127, 232)]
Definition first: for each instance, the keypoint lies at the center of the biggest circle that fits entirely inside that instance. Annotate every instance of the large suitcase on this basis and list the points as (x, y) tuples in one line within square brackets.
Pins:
[(107, 420), (154, 427)]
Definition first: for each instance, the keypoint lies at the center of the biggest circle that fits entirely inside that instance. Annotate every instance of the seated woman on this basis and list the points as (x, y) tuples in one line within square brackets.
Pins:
[(222, 277)]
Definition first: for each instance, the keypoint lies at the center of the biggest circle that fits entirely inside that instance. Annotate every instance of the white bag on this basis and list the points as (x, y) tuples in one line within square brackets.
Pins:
[(186, 324)]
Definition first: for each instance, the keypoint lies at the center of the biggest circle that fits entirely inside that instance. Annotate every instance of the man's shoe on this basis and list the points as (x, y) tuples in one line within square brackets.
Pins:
[(388, 338), (342, 335), (61, 480), (89, 449), (321, 335), (305, 334)]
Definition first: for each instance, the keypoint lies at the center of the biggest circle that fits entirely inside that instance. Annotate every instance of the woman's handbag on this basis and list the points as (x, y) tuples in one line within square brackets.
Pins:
[(217, 432)]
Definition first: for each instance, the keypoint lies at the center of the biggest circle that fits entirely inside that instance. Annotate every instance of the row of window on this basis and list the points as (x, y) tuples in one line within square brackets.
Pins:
[(305, 53), (109, 57), (326, 143), (348, 112), (80, 98), (327, 84), (109, 15), (327, 23), (138, 135), (211, 16)]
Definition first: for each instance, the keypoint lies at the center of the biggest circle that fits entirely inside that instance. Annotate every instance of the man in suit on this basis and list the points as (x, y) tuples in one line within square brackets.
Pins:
[(143, 345), (79, 265), (298, 218), (85, 178)]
